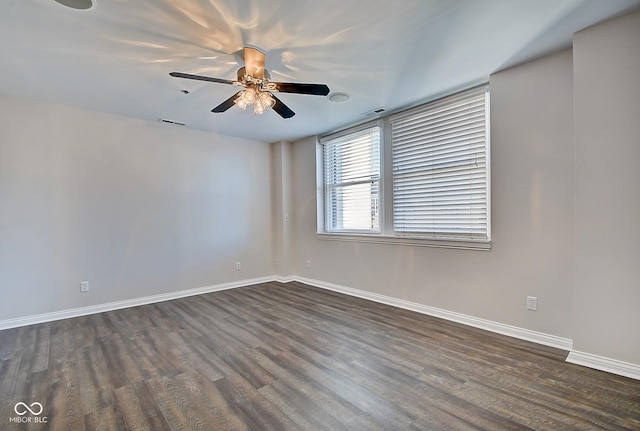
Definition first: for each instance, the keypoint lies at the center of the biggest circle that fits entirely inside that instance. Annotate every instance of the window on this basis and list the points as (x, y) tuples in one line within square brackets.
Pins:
[(351, 181), (440, 176), (431, 187)]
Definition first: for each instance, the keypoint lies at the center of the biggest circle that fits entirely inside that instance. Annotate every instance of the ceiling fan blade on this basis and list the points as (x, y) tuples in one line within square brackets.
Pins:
[(254, 62), (226, 104), (292, 87), (200, 78), (283, 110)]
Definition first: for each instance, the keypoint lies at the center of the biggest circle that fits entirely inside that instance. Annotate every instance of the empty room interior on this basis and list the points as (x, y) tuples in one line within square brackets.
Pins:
[(334, 215)]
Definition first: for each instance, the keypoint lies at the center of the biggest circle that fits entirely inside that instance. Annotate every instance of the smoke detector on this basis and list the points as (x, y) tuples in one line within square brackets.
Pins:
[(338, 97)]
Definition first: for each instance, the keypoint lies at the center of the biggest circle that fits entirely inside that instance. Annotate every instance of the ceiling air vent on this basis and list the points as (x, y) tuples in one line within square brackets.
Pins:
[(177, 123), (374, 112)]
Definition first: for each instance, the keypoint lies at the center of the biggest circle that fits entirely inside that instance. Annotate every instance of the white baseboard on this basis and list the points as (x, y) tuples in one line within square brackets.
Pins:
[(83, 311), (575, 357), (525, 334), (500, 328), (604, 364), (600, 363), (284, 279)]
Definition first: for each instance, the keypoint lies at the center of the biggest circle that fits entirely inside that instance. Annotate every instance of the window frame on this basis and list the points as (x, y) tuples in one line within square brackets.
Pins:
[(324, 209), (387, 235)]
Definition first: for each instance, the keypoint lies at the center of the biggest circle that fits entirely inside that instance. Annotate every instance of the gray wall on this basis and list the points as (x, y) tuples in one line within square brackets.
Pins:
[(606, 317), (136, 208), (565, 208), (282, 205), (532, 210)]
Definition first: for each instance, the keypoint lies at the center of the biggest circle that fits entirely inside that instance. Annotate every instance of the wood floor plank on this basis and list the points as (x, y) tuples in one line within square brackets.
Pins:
[(85, 331), (254, 409), (197, 355), (64, 403), (10, 388), (209, 396), (139, 411), (293, 367), (173, 411), (150, 409), (291, 357), (309, 413), (10, 342), (154, 357), (119, 363), (105, 419), (213, 409), (96, 389)]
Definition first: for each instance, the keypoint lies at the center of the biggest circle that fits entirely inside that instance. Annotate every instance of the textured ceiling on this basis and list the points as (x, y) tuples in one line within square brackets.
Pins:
[(116, 57)]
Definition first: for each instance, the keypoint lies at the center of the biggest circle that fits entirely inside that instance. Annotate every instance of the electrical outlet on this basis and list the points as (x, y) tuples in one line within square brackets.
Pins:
[(532, 303), (84, 286), (308, 263), (238, 265)]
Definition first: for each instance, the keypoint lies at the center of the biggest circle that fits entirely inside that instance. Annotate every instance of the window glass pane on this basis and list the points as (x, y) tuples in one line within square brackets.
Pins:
[(351, 165)]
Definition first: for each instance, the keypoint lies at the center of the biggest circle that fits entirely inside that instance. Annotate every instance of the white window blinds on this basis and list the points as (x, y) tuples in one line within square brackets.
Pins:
[(351, 172), (440, 175)]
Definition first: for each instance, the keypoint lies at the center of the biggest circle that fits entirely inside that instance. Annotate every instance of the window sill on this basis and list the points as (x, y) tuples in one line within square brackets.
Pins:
[(416, 241)]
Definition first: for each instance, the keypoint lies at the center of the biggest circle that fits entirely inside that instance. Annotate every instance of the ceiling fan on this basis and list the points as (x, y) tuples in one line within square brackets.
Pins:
[(258, 86)]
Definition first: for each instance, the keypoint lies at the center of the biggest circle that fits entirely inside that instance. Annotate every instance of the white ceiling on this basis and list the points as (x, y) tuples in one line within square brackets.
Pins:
[(116, 57)]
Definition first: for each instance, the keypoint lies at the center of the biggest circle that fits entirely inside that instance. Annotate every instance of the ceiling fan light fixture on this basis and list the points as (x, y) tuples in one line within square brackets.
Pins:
[(261, 100), (245, 97), (266, 99), (258, 108), (241, 103), (250, 96)]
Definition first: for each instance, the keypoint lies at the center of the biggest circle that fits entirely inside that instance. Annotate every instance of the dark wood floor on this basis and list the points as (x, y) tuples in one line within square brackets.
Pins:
[(287, 356)]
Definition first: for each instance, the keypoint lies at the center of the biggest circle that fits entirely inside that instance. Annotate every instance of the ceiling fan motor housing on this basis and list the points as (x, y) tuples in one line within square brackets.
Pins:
[(242, 76)]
